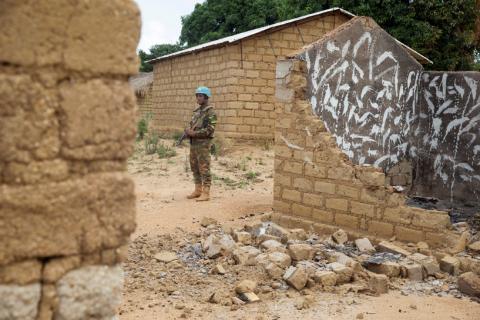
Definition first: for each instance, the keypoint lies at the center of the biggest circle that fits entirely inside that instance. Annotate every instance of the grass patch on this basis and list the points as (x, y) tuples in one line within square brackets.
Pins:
[(252, 175), (151, 143), (166, 151)]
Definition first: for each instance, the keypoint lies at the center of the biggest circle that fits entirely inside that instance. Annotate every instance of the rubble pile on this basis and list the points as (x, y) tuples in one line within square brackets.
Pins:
[(233, 267)]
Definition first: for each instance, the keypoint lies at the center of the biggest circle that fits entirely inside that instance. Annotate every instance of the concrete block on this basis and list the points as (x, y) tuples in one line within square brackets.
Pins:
[(324, 187), (326, 278), (97, 120), (301, 251), (428, 263), (469, 283), (19, 302), (337, 204), (362, 209), (450, 265), (344, 274), (388, 268), (364, 245), (292, 195), (105, 223), (296, 277), (378, 283), (246, 255), (92, 290)]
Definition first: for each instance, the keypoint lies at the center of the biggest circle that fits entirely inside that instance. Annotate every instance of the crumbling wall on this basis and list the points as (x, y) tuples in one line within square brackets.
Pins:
[(67, 127), (241, 76), (317, 186), (447, 139)]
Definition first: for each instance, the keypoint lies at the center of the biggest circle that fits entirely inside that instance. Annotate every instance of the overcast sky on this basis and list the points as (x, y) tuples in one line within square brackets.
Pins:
[(161, 20)]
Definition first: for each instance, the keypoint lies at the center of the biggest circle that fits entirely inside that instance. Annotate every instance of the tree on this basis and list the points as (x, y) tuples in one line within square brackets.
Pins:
[(155, 51), (214, 19), (444, 31)]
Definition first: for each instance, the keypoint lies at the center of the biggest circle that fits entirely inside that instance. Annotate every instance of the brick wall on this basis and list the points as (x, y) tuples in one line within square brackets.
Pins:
[(241, 76), (144, 102), (67, 205), (317, 186)]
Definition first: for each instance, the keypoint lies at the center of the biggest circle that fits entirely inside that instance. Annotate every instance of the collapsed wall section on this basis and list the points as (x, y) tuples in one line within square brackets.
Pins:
[(317, 186), (67, 127)]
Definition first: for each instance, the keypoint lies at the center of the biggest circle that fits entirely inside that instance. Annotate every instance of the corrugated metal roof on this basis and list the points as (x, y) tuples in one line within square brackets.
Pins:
[(246, 34), (237, 37)]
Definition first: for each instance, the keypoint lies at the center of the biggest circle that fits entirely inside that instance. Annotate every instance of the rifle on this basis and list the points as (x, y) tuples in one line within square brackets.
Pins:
[(179, 141)]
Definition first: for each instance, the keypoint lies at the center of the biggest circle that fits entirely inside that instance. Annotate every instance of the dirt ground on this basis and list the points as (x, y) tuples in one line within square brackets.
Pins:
[(242, 192)]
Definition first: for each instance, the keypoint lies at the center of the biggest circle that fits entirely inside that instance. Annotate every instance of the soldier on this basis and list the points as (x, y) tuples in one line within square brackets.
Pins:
[(200, 133)]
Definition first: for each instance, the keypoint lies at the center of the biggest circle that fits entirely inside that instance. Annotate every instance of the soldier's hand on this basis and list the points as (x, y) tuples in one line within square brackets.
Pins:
[(190, 132)]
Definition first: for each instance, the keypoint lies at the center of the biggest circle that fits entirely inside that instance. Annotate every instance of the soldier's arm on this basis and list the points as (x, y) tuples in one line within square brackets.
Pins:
[(209, 127)]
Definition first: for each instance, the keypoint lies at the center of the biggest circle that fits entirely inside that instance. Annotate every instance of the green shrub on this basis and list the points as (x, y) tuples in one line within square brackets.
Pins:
[(151, 143), (142, 125), (252, 175), (166, 151)]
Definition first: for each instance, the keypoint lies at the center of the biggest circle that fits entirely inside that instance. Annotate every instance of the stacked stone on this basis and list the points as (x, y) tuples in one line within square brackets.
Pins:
[(315, 185), (67, 127)]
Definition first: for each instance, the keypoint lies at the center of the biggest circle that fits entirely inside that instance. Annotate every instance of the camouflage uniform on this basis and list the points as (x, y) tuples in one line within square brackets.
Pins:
[(203, 123)]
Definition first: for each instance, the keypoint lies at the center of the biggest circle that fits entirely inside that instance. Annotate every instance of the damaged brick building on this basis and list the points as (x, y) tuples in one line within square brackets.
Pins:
[(364, 128)]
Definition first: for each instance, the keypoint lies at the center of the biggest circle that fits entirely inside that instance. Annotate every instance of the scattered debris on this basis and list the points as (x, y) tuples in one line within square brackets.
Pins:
[(263, 260), (249, 297), (301, 251), (475, 247), (166, 256), (207, 221), (340, 236), (296, 277), (392, 248), (245, 286), (378, 283), (219, 269), (469, 283), (450, 265), (364, 245)]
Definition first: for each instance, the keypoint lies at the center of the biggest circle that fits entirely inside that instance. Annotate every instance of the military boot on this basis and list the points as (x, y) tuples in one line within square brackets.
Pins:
[(205, 194), (197, 193)]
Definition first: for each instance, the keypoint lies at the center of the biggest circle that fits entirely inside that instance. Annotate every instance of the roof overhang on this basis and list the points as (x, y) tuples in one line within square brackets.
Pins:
[(252, 33), (274, 27)]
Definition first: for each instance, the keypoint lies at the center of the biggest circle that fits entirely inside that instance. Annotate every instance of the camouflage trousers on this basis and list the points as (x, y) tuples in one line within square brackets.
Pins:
[(200, 162)]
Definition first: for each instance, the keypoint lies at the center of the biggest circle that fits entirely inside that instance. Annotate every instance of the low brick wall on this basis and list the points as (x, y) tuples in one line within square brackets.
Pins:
[(67, 205), (317, 187)]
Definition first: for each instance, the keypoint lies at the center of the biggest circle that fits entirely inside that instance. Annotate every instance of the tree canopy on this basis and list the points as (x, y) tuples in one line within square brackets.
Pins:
[(444, 31), (157, 50)]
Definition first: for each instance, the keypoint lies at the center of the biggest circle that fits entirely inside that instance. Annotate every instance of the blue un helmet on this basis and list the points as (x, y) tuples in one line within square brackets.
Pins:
[(204, 90)]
